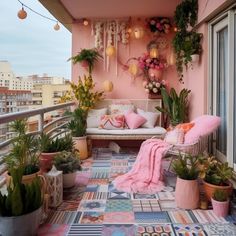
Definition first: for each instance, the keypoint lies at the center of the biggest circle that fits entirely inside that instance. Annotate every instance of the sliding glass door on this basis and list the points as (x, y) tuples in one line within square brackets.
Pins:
[(223, 86)]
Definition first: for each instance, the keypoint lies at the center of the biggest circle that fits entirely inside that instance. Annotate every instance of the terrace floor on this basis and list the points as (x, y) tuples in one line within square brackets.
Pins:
[(94, 207)]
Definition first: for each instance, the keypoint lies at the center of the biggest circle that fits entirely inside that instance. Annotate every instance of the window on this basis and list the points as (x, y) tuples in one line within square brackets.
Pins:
[(223, 85)]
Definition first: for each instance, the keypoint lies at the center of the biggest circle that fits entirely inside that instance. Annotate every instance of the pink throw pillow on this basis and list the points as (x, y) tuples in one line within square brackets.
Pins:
[(112, 122), (175, 136), (134, 120), (204, 125)]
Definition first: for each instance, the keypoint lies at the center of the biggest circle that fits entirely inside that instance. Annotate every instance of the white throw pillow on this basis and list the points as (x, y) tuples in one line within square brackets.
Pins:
[(94, 117), (121, 108), (151, 118)]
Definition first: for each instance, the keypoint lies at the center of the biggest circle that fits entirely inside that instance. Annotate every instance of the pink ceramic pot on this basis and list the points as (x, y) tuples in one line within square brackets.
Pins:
[(221, 209), (187, 193)]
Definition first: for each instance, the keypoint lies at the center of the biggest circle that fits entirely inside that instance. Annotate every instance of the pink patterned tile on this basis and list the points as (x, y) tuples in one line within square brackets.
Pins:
[(118, 217), (52, 230)]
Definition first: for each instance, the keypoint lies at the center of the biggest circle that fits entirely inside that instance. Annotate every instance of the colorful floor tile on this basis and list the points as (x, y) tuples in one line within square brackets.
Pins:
[(119, 230), (92, 218), (189, 230), (155, 230), (94, 207), (152, 217), (220, 229), (145, 205), (115, 205), (119, 217), (53, 230), (85, 230)]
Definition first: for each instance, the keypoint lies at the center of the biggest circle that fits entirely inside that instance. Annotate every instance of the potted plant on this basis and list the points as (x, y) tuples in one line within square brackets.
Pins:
[(187, 190), (215, 175), (78, 126), (20, 209), (23, 152), (175, 106), (50, 147), (87, 58), (69, 163), (220, 203)]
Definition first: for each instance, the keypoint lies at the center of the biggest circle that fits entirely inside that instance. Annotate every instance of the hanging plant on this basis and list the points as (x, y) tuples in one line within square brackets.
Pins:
[(186, 42), (186, 14), (159, 25), (88, 57)]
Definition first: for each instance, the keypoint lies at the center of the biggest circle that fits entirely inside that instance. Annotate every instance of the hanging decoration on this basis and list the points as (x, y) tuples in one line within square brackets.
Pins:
[(22, 14), (159, 25), (99, 35)]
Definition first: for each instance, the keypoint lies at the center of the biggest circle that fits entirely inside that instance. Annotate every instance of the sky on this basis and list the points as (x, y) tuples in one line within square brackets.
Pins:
[(31, 45)]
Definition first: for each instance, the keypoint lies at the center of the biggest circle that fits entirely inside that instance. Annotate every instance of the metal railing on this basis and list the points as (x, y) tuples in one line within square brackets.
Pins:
[(55, 127)]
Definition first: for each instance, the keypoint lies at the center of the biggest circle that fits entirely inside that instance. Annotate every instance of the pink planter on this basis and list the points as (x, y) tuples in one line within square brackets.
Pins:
[(221, 209), (187, 194)]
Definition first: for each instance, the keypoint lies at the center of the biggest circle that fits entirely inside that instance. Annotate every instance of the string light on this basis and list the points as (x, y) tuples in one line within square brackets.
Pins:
[(85, 22), (22, 14)]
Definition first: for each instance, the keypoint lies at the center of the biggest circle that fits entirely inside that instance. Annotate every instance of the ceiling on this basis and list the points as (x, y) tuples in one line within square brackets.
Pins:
[(68, 11)]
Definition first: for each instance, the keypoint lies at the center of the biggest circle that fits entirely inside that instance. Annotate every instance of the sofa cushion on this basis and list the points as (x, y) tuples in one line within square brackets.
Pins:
[(112, 122), (121, 108), (94, 117), (134, 120), (151, 118)]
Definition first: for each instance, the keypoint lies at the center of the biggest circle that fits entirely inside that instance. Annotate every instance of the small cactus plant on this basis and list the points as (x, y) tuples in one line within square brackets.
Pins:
[(220, 195), (21, 198)]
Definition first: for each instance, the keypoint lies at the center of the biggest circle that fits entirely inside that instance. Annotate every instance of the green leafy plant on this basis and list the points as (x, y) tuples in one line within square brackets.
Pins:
[(175, 106), (186, 167), (68, 162), (21, 198), (49, 145), (186, 42), (24, 149), (214, 171), (78, 123), (90, 56), (220, 195), (186, 14)]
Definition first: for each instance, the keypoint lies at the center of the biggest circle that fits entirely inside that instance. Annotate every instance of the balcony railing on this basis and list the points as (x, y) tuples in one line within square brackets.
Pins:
[(54, 127)]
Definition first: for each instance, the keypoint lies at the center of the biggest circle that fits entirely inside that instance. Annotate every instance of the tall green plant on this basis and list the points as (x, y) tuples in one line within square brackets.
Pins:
[(90, 56), (78, 123), (175, 106), (186, 167), (24, 149), (48, 145), (21, 198)]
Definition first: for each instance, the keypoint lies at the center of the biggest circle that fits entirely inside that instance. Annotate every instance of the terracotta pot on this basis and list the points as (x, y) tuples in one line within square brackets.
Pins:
[(221, 209), (80, 144), (45, 160), (154, 74), (69, 180), (26, 179), (187, 193), (209, 189)]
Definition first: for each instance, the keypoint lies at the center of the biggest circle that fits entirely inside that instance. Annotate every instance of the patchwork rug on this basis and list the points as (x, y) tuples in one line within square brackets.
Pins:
[(93, 207)]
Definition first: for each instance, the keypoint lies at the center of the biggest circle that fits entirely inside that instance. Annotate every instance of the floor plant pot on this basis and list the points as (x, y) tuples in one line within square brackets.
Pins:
[(69, 180), (187, 194), (45, 160), (80, 144), (220, 209), (209, 189), (26, 179), (21, 225)]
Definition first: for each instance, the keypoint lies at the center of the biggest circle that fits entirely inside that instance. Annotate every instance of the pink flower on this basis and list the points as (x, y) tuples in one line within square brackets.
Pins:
[(163, 82), (158, 24)]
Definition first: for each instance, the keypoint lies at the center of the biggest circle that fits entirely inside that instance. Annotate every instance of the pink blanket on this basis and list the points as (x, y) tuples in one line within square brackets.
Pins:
[(145, 175)]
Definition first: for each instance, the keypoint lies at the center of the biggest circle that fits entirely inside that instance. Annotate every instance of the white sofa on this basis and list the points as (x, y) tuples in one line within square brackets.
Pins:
[(129, 134)]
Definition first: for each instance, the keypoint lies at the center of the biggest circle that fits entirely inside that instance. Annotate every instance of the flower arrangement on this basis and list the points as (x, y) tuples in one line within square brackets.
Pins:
[(153, 86), (145, 63), (159, 25)]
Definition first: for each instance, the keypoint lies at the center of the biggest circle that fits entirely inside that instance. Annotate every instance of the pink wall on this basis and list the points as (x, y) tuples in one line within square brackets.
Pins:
[(124, 85), (197, 79)]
